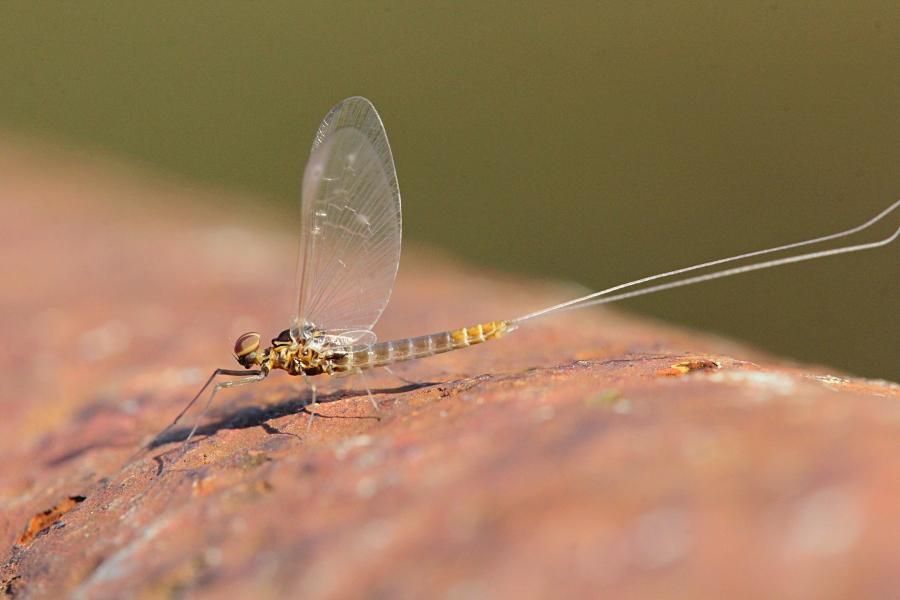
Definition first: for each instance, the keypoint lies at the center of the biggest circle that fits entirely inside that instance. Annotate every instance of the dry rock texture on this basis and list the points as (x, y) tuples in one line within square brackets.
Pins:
[(588, 454)]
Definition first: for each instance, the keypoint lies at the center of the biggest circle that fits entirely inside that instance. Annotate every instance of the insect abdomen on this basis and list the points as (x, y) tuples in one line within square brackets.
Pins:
[(387, 353)]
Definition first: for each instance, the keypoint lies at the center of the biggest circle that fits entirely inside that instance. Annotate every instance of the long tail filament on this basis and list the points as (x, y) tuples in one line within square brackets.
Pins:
[(602, 297)]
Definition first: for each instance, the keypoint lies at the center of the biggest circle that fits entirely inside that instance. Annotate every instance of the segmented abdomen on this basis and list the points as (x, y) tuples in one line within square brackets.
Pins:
[(386, 353)]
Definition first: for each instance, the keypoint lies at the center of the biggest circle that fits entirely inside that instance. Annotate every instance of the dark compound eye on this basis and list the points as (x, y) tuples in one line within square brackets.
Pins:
[(246, 344)]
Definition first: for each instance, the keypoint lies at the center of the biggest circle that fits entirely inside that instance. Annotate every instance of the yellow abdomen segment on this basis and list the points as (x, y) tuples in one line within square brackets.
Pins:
[(466, 336), (386, 353)]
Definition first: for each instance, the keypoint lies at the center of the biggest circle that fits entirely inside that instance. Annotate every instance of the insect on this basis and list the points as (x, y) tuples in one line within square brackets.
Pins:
[(350, 252)]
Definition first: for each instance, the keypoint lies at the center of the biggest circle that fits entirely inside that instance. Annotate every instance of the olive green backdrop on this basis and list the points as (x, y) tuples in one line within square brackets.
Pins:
[(595, 142)]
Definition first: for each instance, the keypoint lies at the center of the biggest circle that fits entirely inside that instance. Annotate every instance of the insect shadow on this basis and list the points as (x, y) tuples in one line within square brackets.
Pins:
[(259, 416)]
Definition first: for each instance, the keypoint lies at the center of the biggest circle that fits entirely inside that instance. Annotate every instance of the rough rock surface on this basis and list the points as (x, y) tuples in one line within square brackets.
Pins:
[(590, 453)]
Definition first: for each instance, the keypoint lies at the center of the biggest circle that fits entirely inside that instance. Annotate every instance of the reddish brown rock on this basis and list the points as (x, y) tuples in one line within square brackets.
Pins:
[(589, 454)]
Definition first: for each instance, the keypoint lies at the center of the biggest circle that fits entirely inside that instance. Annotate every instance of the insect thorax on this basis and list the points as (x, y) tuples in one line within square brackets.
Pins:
[(306, 356)]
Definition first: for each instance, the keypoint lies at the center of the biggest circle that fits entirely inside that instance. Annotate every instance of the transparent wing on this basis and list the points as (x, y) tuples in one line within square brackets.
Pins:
[(350, 226)]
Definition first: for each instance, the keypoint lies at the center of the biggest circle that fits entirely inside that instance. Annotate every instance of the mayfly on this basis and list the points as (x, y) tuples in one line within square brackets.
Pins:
[(350, 252)]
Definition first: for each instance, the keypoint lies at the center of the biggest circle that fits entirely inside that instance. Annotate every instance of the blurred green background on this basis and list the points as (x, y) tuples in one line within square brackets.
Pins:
[(593, 142)]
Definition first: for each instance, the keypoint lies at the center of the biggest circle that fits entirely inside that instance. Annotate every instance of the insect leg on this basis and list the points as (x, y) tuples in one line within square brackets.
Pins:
[(368, 391), (224, 384), (160, 436), (400, 377), (312, 402)]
